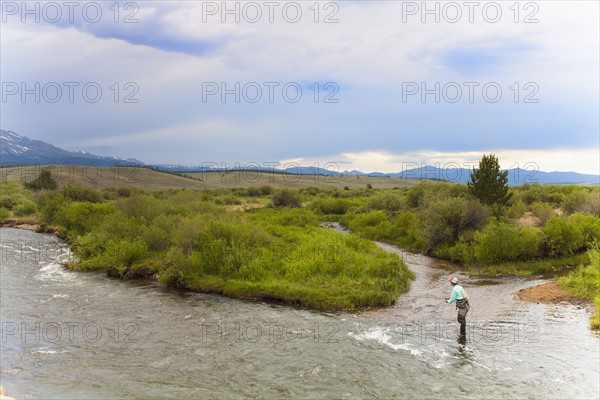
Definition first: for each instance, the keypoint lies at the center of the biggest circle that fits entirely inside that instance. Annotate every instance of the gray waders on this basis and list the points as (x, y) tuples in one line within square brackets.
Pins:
[(463, 308)]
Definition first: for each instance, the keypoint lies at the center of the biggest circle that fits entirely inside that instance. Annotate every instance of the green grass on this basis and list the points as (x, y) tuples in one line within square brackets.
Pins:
[(548, 267), (584, 282), (185, 240)]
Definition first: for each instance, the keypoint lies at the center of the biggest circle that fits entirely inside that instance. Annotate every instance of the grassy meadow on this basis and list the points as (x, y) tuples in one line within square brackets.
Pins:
[(152, 179)]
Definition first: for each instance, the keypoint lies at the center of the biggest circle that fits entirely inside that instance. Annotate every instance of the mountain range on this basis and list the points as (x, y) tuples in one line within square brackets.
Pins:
[(16, 149)]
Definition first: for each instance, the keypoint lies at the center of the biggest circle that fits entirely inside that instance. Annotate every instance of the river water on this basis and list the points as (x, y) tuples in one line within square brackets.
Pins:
[(83, 335)]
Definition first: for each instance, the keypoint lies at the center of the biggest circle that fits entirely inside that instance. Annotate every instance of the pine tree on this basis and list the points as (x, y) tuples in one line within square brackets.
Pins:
[(488, 183), (44, 181)]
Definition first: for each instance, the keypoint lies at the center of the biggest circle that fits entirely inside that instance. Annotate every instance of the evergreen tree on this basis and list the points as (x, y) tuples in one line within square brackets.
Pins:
[(488, 183), (44, 181)]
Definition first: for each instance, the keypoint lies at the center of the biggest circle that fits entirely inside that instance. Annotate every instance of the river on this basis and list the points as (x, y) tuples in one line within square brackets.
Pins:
[(83, 335)]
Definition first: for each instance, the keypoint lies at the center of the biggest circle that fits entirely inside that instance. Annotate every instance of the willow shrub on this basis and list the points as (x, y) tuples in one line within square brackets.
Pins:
[(563, 237)]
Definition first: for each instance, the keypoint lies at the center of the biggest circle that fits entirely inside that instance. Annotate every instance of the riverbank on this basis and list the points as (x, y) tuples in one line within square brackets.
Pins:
[(29, 226), (550, 293)]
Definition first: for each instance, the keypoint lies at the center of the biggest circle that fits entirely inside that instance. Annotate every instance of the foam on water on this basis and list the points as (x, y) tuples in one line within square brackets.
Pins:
[(56, 272), (381, 336)]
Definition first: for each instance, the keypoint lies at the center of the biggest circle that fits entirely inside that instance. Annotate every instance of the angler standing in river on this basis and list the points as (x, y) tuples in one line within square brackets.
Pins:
[(459, 295)]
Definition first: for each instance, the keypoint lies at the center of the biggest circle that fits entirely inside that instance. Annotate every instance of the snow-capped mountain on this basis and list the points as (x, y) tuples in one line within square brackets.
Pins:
[(15, 148)]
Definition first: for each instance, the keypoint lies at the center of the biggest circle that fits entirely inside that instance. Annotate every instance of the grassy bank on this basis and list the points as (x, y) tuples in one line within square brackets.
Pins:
[(549, 267), (584, 282)]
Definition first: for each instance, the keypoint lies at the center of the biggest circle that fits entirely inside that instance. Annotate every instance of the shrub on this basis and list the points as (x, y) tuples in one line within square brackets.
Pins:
[(372, 225), (117, 256), (530, 243), (563, 237), (386, 201), (253, 191), (543, 211), (4, 215), (44, 181), (499, 242), (156, 238), (311, 191), (574, 201), (124, 192), (139, 205), (82, 217), (266, 190), (589, 225), (78, 192), (50, 204), (330, 205), (286, 198), (27, 207), (517, 209), (443, 220)]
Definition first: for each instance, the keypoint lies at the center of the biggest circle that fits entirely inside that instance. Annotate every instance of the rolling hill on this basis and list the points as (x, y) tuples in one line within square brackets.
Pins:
[(19, 152)]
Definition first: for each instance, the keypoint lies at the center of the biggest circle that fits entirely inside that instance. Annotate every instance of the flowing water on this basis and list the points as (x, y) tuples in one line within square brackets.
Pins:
[(83, 335)]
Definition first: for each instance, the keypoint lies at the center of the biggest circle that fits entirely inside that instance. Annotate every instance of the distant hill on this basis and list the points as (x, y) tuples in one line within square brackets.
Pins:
[(516, 176), (16, 149)]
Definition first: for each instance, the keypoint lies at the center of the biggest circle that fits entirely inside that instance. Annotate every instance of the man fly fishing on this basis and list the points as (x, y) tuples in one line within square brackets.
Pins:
[(459, 295)]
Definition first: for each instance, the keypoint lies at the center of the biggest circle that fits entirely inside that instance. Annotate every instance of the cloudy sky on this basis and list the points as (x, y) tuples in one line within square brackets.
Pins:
[(372, 85)]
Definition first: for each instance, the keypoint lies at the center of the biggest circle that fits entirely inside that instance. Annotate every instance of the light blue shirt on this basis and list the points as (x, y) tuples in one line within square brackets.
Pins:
[(456, 294)]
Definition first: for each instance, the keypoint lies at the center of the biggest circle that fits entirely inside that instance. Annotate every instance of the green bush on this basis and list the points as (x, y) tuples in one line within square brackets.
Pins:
[(116, 257), (330, 205), (543, 211), (82, 217), (444, 220), (563, 237), (589, 225), (386, 201), (499, 242), (78, 192), (575, 202), (517, 209), (26, 207), (44, 181), (124, 192), (14, 195), (4, 215), (530, 243), (286, 198), (266, 190), (8, 202), (373, 225), (50, 204), (139, 205), (253, 192)]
